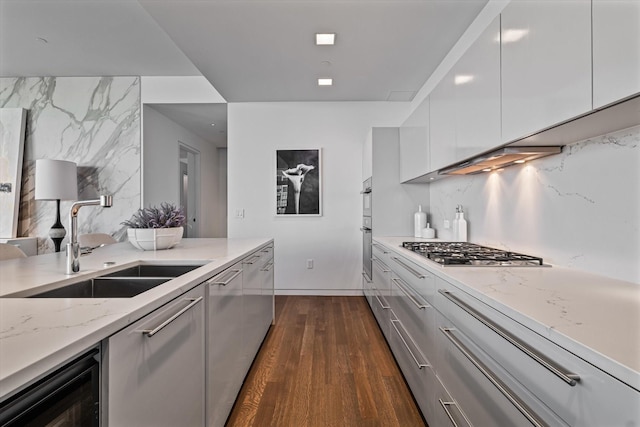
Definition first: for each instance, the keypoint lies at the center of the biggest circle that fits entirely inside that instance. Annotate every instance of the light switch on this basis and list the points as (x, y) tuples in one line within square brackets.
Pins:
[(239, 213)]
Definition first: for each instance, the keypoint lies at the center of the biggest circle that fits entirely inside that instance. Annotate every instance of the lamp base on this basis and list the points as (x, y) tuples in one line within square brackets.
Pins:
[(57, 231)]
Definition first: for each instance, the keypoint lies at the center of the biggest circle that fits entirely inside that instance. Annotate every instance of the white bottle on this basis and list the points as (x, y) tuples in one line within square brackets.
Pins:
[(419, 222), (462, 225), (454, 228)]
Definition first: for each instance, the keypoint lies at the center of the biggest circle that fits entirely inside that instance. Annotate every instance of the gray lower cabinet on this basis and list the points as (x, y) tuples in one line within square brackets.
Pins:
[(225, 370), (184, 364), (257, 297), (154, 367), (469, 364), (414, 366), (240, 312), (552, 384), (380, 290)]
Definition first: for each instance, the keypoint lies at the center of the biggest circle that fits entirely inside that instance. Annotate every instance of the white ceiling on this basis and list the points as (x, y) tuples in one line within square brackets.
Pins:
[(263, 50), (250, 50), (85, 38)]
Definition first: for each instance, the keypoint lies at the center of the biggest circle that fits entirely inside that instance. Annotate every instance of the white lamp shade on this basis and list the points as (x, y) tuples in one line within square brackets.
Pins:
[(56, 180)]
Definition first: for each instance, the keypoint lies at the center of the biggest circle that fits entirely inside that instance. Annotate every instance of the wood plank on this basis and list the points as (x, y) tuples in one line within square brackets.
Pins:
[(325, 362)]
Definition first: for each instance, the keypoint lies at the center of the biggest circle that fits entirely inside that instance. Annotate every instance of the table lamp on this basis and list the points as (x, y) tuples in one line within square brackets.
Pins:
[(56, 180)]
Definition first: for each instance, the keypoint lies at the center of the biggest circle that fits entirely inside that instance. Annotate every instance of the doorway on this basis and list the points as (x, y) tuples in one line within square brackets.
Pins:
[(189, 184)]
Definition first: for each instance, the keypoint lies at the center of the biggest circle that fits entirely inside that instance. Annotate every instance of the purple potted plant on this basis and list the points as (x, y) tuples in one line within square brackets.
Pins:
[(156, 228)]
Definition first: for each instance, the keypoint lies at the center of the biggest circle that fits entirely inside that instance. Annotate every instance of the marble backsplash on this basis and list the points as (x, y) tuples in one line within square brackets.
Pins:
[(92, 121), (578, 209)]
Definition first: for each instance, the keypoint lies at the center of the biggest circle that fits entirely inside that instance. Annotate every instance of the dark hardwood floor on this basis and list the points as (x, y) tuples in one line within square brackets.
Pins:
[(324, 363)]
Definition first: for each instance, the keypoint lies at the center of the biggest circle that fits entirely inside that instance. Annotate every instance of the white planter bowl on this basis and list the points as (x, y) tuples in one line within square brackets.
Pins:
[(152, 239)]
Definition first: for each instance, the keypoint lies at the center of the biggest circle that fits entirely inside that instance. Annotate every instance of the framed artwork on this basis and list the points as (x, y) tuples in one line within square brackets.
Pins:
[(12, 129), (298, 182)]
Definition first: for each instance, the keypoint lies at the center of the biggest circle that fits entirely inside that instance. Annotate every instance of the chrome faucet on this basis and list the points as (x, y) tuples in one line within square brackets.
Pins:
[(73, 248)]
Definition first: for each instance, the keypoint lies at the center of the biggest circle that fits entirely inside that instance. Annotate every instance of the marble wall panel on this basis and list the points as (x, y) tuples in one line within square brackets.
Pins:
[(93, 121), (578, 209)]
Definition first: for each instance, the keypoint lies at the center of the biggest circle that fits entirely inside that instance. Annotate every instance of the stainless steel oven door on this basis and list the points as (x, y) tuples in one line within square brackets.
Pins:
[(366, 198)]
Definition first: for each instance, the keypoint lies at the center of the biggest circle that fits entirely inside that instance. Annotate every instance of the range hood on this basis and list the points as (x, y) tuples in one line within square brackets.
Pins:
[(498, 159), (619, 115)]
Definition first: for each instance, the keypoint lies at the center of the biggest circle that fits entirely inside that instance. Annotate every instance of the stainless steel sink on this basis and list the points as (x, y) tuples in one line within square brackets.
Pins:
[(125, 283), (151, 270), (105, 287)]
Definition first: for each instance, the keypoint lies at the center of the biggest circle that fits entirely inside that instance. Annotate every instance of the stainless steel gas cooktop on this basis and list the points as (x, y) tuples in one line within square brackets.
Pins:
[(470, 254)]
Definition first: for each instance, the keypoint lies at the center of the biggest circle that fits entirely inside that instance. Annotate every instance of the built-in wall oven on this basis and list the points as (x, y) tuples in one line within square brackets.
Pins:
[(366, 228), (70, 396), (366, 198)]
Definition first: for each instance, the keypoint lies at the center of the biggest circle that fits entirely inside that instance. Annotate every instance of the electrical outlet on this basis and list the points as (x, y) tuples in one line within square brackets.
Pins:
[(447, 224), (239, 213), (309, 263)]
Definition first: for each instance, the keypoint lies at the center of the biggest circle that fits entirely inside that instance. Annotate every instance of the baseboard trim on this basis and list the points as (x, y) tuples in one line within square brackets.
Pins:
[(321, 292)]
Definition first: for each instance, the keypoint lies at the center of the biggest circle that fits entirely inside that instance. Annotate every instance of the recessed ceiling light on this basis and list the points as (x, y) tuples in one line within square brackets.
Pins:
[(42, 40), (519, 161), (486, 170), (325, 82), (325, 39), (213, 124)]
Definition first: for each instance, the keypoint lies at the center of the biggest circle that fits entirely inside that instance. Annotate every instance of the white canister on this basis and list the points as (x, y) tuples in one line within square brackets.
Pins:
[(419, 222), (428, 232)]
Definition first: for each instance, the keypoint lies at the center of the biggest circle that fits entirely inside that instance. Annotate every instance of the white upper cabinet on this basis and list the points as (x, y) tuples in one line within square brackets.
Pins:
[(414, 144), (546, 64), (616, 50), (442, 123), (477, 88), (465, 105)]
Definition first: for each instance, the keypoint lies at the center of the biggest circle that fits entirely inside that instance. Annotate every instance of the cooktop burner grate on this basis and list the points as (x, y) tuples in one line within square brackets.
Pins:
[(462, 253)]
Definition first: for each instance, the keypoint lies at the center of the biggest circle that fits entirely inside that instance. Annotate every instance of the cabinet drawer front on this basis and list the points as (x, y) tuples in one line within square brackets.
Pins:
[(422, 281), (158, 380), (444, 409), (380, 310), (381, 277), (481, 388), (266, 252), (578, 392), (416, 315), (224, 344), (413, 365)]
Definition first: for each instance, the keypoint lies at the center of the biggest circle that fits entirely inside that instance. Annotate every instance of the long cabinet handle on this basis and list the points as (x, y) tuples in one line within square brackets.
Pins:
[(366, 277), (554, 367), (503, 388), (408, 294), (418, 364), (408, 268), (251, 260), (229, 276), (151, 332), (267, 266), (383, 304), (445, 406), (375, 245), (383, 267)]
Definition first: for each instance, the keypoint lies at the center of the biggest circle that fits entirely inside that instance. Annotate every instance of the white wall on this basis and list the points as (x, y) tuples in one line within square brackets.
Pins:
[(333, 240), (161, 169)]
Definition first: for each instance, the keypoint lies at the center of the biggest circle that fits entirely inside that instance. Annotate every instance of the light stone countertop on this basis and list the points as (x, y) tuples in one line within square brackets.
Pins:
[(37, 335), (594, 317)]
